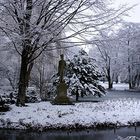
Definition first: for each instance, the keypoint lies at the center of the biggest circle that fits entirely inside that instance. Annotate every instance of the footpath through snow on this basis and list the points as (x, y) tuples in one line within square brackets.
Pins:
[(44, 115)]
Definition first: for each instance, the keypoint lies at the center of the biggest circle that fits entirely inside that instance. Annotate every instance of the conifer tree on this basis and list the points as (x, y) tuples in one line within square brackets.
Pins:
[(83, 76)]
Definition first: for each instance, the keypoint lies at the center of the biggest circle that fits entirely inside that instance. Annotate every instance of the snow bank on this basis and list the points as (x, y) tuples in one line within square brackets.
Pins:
[(44, 115)]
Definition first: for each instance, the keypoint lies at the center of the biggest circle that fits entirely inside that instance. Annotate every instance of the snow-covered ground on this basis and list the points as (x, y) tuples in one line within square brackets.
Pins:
[(44, 115), (119, 108), (118, 86)]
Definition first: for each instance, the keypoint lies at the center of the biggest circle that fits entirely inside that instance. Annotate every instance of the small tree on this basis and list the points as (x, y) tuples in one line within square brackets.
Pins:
[(82, 76)]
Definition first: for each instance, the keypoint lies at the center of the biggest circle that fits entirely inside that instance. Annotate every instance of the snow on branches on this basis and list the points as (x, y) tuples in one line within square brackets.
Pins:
[(82, 76)]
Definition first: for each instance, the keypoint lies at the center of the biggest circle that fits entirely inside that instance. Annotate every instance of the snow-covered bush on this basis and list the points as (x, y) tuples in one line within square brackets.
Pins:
[(31, 95), (81, 76), (8, 98), (5, 100)]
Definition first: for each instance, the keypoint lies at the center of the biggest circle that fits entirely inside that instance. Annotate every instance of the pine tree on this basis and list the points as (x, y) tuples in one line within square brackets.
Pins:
[(83, 76)]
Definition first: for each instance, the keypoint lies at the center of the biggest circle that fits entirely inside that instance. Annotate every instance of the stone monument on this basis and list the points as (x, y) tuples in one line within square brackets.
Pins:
[(61, 98)]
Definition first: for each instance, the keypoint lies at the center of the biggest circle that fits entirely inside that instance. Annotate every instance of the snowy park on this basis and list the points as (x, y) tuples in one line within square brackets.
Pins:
[(110, 113), (118, 108), (114, 111), (69, 69)]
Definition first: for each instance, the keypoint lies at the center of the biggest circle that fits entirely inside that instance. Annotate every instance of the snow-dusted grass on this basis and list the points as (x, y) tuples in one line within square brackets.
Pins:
[(118, 86), (44, 115)]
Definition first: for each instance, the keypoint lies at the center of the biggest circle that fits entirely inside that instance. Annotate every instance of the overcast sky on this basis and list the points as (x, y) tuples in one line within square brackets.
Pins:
[(134, 13)]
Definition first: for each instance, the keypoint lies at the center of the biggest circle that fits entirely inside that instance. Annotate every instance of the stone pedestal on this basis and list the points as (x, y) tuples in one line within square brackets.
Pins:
[(61, 98)]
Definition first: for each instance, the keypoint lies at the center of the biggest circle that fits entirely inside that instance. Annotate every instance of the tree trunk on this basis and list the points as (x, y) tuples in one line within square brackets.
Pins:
[(23, 82), (110, 84), (129, 76), (25, 71), (116, 78), (77, 94), (26, 67)]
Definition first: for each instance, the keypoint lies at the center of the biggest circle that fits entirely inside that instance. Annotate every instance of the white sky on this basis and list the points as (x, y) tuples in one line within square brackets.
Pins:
[(134, 13)]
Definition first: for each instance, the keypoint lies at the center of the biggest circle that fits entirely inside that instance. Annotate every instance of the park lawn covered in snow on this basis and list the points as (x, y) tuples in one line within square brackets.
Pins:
[(118, 86), (44, 115)]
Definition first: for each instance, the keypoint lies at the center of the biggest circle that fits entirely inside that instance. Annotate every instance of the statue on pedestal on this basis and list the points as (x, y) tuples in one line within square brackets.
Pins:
[(61, 98)]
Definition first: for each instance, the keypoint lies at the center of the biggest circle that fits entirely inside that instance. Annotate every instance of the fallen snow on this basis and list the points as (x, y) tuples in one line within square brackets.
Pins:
[(118, 86), (44, 115)]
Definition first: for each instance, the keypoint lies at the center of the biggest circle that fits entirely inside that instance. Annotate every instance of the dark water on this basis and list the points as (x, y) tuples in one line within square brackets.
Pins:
[(107, 134)]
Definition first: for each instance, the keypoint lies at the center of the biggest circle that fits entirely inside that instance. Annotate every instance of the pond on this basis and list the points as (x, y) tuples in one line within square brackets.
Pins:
[(106, 134)]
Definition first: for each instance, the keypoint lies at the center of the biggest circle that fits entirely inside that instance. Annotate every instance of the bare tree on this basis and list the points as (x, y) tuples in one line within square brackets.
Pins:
[(9, 67), (129, 39), (119, 54), (44, 68), (108, 56)]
